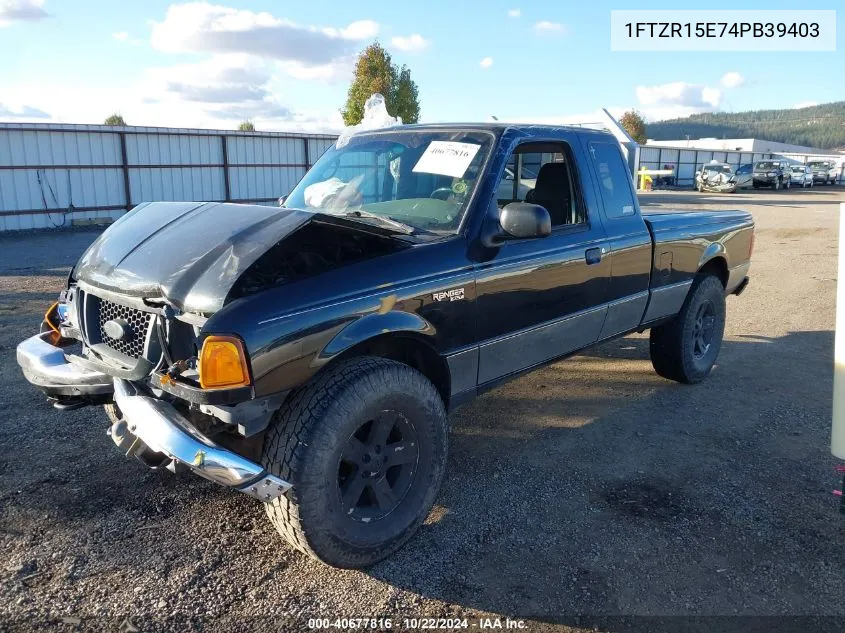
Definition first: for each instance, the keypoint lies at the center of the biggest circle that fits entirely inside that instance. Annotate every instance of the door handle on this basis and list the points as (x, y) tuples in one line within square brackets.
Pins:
[(593, 255)]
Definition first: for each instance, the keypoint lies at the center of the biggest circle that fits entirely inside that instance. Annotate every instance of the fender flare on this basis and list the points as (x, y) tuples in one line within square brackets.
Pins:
[(374, 325), (713, 250)]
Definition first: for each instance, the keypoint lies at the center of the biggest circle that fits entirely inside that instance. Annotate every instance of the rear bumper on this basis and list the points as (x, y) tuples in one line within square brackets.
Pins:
[(154, 424), (46, 367)]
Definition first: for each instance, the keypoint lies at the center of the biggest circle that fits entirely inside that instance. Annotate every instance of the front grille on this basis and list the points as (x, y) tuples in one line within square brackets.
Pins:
[(138, 322)]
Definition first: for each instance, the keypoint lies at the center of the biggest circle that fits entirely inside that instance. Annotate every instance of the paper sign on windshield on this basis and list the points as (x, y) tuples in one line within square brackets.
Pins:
[(446, 158)]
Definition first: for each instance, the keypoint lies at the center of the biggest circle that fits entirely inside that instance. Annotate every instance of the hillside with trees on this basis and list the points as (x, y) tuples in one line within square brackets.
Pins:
[(816, 126)]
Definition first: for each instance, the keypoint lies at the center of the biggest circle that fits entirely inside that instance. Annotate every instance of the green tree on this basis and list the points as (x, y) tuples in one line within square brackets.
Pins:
[(114, 119), (406, 97), (634, 124), (375, 72), (246, 126)]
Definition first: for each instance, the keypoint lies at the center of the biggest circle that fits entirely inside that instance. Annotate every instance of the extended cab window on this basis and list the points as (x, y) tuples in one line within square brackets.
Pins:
[(542, 173), (614, 182)]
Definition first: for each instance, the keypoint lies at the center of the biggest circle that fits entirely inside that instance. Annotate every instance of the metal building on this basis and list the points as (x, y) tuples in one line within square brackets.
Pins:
[(54, 175)]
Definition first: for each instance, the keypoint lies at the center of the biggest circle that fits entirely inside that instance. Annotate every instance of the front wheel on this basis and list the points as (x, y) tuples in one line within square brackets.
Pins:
[(365, 448), (685, 348)]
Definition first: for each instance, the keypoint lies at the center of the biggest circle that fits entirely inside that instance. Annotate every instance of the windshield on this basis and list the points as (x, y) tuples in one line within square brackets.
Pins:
[(421, 178), (721, 169), (817, 164), (766, 165), (798, 170)]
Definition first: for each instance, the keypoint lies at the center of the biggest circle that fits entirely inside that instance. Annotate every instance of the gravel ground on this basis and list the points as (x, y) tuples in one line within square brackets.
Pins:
[(588, 490)]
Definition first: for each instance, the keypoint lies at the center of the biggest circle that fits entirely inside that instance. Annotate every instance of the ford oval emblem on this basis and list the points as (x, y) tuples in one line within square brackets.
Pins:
[(118, 329)]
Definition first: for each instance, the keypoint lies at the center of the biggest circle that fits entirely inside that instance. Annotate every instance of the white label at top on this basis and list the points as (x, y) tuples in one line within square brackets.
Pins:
[(723, 30), (447, 158)]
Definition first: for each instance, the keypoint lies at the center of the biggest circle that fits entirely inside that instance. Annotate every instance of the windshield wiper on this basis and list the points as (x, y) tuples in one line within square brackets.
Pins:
[(401, 227)]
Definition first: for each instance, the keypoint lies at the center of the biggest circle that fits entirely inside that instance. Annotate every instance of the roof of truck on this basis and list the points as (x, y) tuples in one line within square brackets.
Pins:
[(499, 127)]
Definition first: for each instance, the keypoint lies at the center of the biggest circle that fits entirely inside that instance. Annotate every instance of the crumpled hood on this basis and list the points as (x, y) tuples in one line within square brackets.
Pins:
[(190, 253)]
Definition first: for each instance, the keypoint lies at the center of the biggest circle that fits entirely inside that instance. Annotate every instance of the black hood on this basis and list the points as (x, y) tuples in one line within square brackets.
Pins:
[(188, 253)]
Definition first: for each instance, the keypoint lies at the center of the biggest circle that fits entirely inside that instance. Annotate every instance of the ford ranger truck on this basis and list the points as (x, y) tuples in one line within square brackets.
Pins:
[(308, 355)]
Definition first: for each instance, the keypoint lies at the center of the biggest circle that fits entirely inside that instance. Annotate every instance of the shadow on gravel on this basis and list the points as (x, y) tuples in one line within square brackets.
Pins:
[(580, 492), (688, 500)]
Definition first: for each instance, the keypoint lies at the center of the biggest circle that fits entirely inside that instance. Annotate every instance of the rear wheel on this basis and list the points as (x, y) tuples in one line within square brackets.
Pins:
[(685, 348), (365, 448)]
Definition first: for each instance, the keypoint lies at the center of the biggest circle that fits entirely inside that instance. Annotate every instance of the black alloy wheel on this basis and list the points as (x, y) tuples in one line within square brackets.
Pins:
[(377, 466)]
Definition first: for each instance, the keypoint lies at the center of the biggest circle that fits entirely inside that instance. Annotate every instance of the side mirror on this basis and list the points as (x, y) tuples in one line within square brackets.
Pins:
[(282, 200), (523, 220)]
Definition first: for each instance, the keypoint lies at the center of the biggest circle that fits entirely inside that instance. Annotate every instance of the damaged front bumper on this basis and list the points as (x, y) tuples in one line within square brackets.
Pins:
[(47, 367), (154, 424), (150, 428)]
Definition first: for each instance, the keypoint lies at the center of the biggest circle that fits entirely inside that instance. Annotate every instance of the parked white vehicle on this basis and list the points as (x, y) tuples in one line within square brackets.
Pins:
[(825, 172), (800, 176), (716, 177), (526, 183), (744, 175)]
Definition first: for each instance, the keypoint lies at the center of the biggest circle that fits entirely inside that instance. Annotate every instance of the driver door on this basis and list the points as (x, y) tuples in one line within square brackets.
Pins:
[(542, 298)]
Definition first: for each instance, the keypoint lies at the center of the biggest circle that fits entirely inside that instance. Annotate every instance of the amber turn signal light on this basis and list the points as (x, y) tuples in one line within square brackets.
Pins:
[(51, 318), (223, 363)]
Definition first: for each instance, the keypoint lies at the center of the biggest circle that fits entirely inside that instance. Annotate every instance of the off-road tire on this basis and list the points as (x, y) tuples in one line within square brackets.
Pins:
[(307, 437), (672, 345)]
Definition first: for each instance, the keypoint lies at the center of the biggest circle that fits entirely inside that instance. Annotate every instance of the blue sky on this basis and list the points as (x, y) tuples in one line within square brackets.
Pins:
[(287, 65)]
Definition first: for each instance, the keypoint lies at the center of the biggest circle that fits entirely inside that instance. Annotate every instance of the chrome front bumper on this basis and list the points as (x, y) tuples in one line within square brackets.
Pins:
[(46, 367), (161, 428)]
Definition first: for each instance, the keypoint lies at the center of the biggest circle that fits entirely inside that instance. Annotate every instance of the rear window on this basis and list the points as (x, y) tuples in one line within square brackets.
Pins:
[(614, 180)]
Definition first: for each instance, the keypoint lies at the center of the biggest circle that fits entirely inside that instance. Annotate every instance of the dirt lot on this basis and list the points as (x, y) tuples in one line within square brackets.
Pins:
[(588, 490)]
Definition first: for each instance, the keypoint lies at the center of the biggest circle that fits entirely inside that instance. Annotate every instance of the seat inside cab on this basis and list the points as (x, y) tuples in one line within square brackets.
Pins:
[(541, 173)]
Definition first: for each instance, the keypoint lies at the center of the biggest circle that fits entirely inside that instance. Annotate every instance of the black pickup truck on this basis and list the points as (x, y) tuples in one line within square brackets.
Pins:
[(308, 355)]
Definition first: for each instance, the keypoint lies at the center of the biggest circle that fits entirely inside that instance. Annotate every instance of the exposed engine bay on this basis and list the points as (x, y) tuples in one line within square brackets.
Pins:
[(315, 248)]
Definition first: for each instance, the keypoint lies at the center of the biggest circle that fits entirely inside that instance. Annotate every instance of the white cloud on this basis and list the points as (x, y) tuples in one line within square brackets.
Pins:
[(218, 92), (514, 13), (21, 11), (201, 27), (678, 98), (486, 62), (732, 80), (415, 43), (360, 30), (339, 70), (682, 98), (22, 113), (805, 104), (544, 26), (123, 36)]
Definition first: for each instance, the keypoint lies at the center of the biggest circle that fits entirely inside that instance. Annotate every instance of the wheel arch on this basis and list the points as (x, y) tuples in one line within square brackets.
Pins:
[(401, 336), (714, 262)]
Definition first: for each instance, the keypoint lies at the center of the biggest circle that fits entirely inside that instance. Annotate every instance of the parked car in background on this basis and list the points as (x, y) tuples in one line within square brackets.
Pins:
[(716, 177), (770, 173), (743, 176), (527, 182), (825, 172), (800, 176)]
